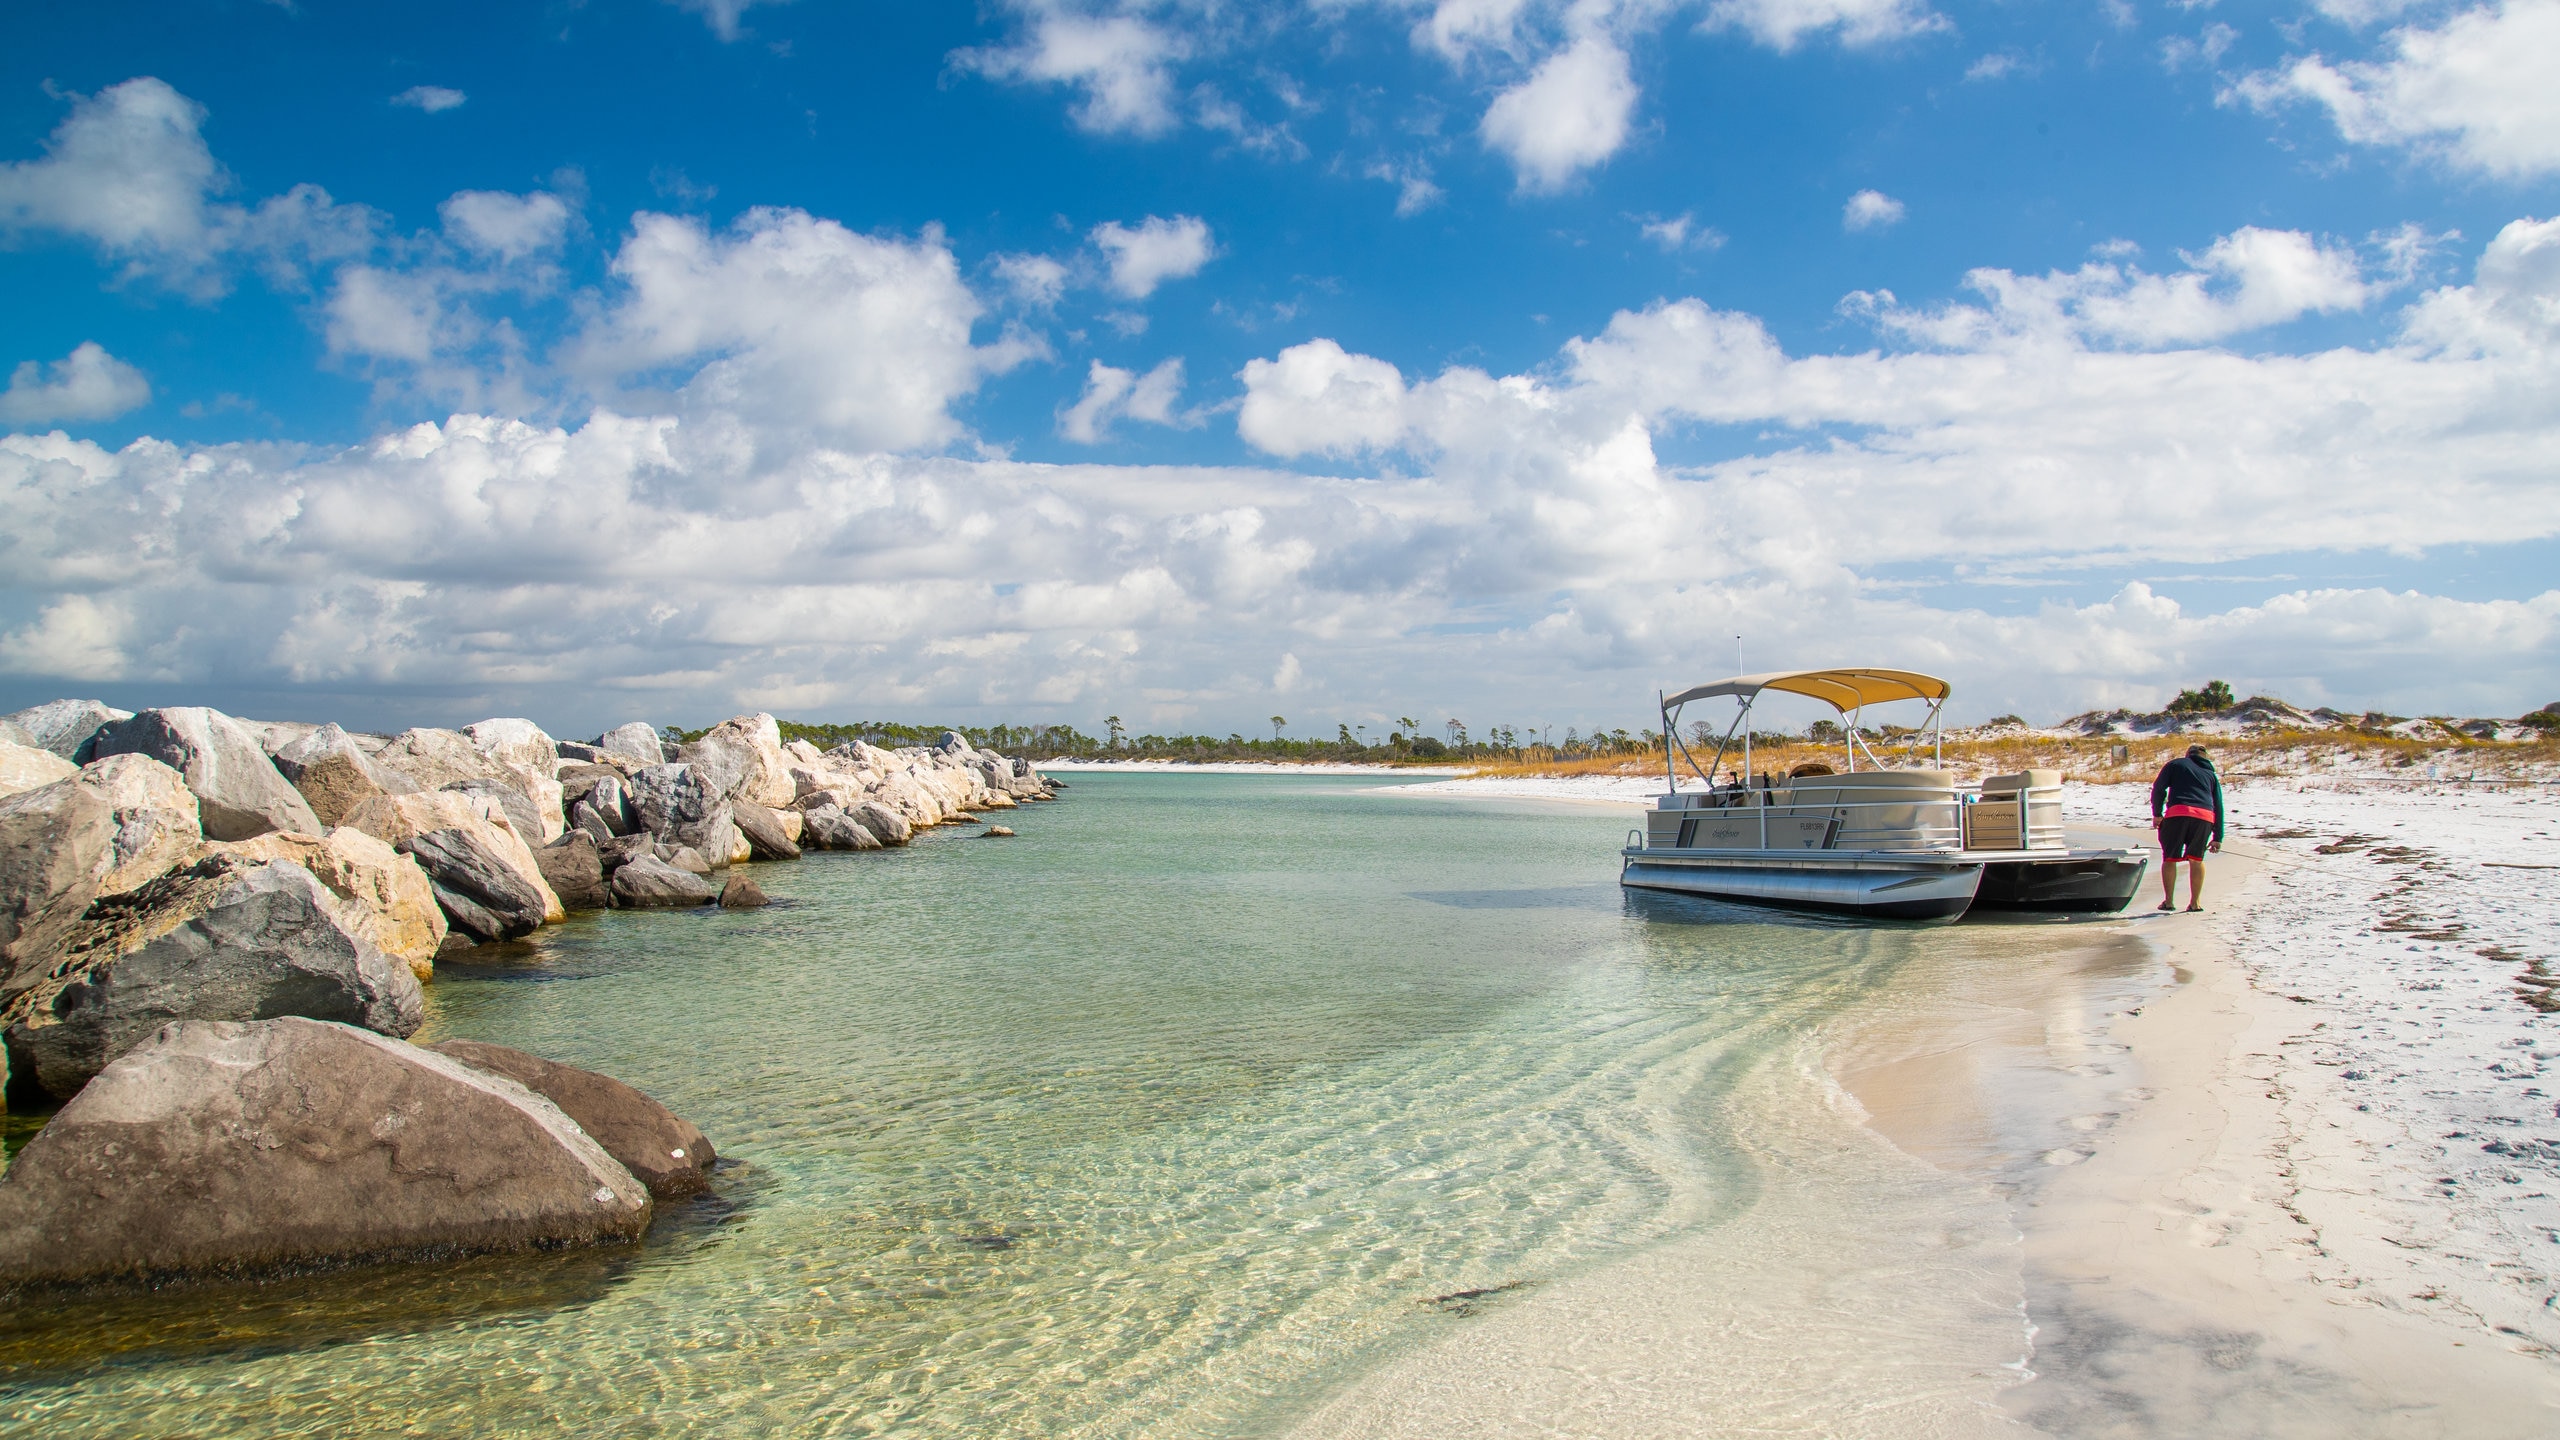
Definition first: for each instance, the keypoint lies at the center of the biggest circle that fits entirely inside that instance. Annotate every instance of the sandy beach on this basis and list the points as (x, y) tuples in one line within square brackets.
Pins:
[(2284, 1167)]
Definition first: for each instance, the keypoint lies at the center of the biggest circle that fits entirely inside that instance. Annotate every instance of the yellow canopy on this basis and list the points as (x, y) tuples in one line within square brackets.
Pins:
[(1842, 690)]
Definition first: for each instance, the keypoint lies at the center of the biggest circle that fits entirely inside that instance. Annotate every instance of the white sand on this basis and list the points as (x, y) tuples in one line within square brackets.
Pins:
[(1240, 767), (2312, 1193)]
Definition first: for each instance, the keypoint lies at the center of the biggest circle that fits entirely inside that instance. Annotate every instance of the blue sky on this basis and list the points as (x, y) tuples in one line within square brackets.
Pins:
[(1189, 361)]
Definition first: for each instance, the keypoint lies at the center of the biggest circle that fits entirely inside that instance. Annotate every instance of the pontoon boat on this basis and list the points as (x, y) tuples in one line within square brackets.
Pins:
[(1900, 844)]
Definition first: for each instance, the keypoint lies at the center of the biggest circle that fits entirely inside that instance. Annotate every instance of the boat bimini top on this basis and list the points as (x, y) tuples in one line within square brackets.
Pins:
[(1847, 691)]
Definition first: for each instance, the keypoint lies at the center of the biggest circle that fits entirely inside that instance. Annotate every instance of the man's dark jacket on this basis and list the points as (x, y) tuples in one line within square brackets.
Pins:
[(2189, 781)]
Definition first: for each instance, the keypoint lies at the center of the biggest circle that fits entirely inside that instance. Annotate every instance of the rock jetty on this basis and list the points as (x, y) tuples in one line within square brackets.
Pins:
[(214, 932)]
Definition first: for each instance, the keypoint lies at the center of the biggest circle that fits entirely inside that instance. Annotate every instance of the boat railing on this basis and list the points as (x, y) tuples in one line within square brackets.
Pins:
[(1809, 815)]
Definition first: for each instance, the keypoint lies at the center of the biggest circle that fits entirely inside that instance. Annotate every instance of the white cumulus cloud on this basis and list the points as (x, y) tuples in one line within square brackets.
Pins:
[(2479, 88), (1570, 114), (1111, 394), (795, 321), (1783, 24), (87, 384), (1121, 63), (1319, 399), (1870, 210), (1154, 251)]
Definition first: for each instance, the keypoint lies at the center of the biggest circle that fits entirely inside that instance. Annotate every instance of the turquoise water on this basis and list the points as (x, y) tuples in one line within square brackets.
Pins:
[(1190, 1102)]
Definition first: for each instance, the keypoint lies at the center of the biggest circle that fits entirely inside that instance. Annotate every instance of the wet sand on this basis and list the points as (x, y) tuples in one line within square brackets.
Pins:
[(2039, 1185)]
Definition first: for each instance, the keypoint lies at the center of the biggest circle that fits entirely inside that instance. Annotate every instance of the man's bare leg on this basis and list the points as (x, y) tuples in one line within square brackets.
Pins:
[(2168, 883), (2195, 883)]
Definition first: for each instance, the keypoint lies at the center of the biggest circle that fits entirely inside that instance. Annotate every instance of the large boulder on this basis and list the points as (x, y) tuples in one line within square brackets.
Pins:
[(275, 735), (829, 828), (744, 760), (766, 839), (574, 869), (519, 807), (223, 939), (660, 1148), (226, 1149), (384, 889), (65, 727), (335, 775), (56, 842), (395, 819), (158, 824), (24, 767), (601, 809), (680, 805), (438, 759), (520, 743), (477, 888), (238, 790), (888, 825), (646, 882), (636, 742)]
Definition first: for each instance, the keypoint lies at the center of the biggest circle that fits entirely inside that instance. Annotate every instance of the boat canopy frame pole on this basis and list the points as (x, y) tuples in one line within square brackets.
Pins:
[(1671, 737)]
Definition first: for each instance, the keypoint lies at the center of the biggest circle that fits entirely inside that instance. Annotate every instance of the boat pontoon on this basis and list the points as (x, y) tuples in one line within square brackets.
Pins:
[(1900, 844)]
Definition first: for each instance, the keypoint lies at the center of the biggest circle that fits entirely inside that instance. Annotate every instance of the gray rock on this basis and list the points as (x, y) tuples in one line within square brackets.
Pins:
[(601, 793), (580, 751), (742, 893), (513, 802), (660, 1148), (621, 850), (830, 828), (686, 858), (238, 790), (645, 881), (334, 776), (222, 939), (479, 892), (57, 842), (574, 870), (17, 734), (274, 735), (437, 758), (65, 727), (952, 743), (764, 832), (885, 824), (577, 778), (232, 1149), (677, 804), (636, 742)]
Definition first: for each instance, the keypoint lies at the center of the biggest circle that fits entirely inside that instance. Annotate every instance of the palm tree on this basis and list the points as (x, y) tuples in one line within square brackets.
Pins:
[(1114, 723), (1276, 723)]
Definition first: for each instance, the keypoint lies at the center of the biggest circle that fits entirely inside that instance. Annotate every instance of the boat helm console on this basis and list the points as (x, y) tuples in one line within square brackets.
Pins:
[(1897, 844)]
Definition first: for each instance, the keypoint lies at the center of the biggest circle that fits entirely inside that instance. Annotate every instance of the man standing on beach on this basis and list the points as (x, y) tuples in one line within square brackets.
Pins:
[(2186, 808)]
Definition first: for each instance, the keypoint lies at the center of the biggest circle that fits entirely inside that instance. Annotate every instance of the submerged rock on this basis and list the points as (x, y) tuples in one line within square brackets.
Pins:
[(223, 939), (660, 1148), (742, 893), (239, 792), (647, 882), (228, 1148)]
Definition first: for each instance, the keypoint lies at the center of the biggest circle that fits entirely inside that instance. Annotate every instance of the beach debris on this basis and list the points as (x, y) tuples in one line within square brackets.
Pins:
[(1468, 1302), (660, 1148), (227, 938), (372, 1149)]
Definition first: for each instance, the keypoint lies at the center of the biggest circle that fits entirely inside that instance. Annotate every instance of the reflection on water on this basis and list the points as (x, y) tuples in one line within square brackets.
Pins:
[(1201, 1095)]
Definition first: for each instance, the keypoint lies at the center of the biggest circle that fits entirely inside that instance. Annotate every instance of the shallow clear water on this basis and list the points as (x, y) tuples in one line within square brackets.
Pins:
[(1195, 1099)]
